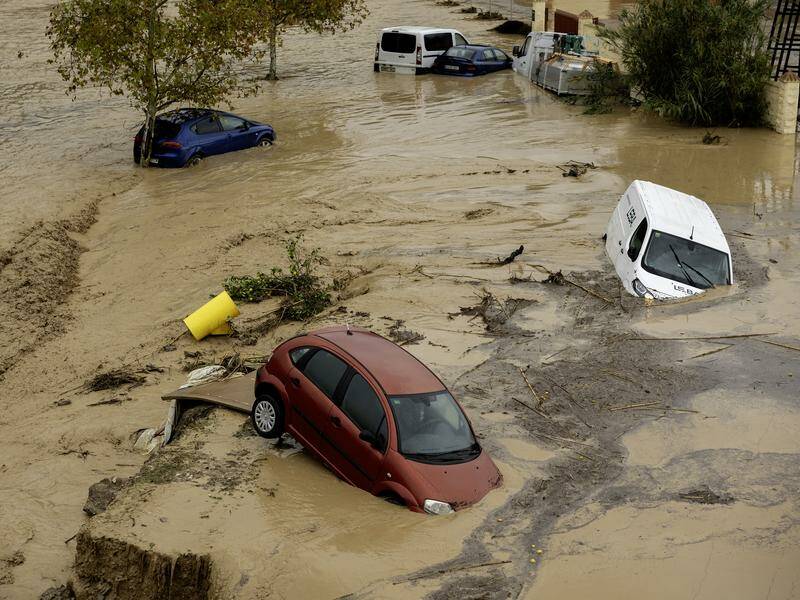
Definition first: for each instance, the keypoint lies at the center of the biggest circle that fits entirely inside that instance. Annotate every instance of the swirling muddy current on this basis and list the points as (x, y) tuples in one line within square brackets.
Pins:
[(411, 185)]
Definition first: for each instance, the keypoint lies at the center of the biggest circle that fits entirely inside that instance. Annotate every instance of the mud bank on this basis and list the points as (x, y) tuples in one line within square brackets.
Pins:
[(112, 568), (37, 275)]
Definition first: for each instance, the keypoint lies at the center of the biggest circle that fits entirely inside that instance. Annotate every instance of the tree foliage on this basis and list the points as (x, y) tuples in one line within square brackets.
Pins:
[(155, 52), (321, 16), (301, 287), (702, 62)]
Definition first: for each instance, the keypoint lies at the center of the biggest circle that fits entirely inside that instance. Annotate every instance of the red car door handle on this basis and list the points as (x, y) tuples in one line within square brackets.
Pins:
[(295, 381), (337, 422)]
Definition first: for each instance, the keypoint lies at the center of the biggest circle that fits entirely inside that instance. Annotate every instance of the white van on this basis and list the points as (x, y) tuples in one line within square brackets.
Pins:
[(413, 49), (666, 244)]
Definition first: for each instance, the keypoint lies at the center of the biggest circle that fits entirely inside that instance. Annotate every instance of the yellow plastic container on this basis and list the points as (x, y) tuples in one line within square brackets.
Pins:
[(212, 317)]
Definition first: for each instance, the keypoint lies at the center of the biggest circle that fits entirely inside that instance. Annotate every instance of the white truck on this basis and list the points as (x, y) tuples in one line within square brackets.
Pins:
[(555, 61), (666, 244), (412, 50)]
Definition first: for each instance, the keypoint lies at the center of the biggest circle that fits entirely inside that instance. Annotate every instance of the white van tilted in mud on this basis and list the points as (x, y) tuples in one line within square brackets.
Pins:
[(666, 244), (413, 49)]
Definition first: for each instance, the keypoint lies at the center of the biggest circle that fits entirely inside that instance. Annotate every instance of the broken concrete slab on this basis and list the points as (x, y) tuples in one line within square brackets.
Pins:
[(236, 393), (101, 494)]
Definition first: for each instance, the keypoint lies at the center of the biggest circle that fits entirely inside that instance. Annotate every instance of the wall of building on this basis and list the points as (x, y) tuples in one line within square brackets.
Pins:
[(782, 98)]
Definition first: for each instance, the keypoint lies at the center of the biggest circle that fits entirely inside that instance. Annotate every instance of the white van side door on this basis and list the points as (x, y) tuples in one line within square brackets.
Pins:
[(634, 227), (614, 236), (521, 63)]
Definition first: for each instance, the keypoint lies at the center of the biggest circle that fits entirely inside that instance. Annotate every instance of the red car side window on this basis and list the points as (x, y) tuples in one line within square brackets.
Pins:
[(325, 371), (300, 356), (362, 405)]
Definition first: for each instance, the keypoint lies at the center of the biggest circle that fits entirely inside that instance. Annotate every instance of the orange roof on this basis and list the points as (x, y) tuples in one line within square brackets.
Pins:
[(397, 371)]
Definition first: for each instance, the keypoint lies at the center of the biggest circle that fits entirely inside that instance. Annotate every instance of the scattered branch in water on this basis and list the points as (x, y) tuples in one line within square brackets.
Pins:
[(489, 15), (113, 379), (403, 336), (558, 278), (704, 495), (574, 168), (510, 258), (492, 311)]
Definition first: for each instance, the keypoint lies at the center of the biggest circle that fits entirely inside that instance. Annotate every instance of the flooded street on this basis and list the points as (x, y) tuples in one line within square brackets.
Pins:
[(410, 185)]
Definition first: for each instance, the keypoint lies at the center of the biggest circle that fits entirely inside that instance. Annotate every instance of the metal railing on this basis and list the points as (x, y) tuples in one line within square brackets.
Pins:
[(784, 44)]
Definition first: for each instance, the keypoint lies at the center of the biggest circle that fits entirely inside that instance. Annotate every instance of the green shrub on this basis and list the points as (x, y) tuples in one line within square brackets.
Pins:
[(302, 289), (607, 87), (702, 62)]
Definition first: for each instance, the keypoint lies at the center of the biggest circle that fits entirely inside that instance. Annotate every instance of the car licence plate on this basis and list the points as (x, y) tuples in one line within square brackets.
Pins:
[(452, 67), (387, 68)]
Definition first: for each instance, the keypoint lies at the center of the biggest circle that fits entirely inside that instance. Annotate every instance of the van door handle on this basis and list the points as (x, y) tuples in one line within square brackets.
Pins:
[(295, 381), (401, 56), (337, 422)]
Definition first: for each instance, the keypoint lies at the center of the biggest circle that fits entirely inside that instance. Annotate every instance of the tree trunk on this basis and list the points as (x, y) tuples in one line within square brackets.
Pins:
[(150, 83), (147, 137), (273, 52)]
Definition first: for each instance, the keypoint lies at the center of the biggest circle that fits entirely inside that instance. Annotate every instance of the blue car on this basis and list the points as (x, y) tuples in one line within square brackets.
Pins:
[(184, 137), (470, 60)]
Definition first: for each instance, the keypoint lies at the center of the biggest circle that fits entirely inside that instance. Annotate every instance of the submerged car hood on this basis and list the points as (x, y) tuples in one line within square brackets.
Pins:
[(462, 484)]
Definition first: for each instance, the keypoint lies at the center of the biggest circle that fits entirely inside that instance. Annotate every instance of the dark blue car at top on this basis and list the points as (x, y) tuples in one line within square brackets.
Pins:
[(470, 60), (188, 135)]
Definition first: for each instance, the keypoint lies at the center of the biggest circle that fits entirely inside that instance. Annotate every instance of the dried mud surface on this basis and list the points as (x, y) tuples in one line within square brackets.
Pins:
[(654, 441)]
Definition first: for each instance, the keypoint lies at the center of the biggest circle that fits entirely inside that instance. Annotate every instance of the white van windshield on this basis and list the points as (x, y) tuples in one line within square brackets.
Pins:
[(686, 261), (402, 43)]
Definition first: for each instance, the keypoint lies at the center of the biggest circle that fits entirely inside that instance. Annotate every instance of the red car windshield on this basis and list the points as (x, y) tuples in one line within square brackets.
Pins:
[(432, 428)]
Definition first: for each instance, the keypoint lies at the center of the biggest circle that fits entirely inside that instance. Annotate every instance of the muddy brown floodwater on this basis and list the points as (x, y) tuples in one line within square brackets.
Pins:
[(410, 185)]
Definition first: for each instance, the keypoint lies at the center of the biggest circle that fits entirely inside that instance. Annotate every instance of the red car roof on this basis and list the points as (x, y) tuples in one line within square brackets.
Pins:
[(397, 371)]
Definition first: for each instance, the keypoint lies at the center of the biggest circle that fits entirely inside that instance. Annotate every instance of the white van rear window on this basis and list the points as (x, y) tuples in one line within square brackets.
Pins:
[(437, 42), (402, 43)]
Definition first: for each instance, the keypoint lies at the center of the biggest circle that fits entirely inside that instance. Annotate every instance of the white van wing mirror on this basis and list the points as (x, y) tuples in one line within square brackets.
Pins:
[(515, 51)]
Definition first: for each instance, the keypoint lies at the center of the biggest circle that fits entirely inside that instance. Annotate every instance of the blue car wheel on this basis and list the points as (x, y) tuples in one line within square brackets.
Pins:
[(194, 160), (265, 142)]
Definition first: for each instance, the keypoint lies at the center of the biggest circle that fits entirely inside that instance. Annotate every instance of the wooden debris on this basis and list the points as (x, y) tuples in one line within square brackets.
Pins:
[(563, 439), (529, 407), (539, 400), (629, 406), (725, 347), (703, 337), (787, 346)]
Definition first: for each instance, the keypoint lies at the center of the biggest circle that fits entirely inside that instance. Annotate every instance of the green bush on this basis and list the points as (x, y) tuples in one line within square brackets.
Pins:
[(607, 88), (702, 62), (302, 289)]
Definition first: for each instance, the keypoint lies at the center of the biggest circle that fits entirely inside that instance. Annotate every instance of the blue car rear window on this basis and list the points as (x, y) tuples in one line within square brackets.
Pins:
[(461, 52), (165, 130)]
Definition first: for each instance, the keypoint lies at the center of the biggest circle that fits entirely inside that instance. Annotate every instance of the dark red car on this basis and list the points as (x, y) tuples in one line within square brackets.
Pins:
[(379, 417)]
